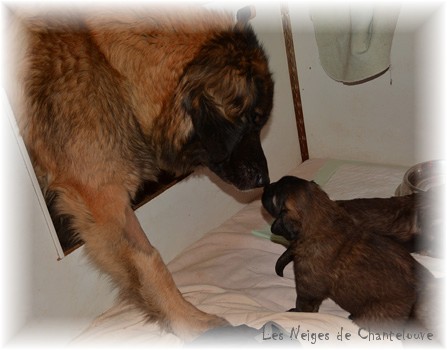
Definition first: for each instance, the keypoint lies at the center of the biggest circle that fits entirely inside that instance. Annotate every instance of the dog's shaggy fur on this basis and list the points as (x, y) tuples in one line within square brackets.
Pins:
[(108, 102), (369, 275)]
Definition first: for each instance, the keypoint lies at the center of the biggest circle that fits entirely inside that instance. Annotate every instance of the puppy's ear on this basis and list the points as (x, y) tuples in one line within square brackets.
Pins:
[(210, 125), (285, 227)]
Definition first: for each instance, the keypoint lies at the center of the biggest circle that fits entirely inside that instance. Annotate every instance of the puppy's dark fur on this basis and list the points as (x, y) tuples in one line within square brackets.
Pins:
[(414, 220), (369, 275), (395, 218)]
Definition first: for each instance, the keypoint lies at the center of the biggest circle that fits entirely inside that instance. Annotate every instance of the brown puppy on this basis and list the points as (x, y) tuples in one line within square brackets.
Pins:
[(393, 217), (108, 102), (370, 276), (414, 221)]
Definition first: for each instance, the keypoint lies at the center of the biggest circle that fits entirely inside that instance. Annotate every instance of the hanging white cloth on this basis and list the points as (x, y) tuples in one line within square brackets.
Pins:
[(354, 40)]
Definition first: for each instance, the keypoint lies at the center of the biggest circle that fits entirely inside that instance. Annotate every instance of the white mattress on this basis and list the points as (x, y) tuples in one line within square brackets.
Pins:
[(230, 272)]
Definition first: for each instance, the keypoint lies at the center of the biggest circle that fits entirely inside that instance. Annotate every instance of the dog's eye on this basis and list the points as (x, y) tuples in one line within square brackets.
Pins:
[(238, 103), (258, 119)]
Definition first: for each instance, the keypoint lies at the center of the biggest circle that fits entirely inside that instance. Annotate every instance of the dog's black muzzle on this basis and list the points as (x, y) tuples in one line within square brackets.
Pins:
[(246, 167)]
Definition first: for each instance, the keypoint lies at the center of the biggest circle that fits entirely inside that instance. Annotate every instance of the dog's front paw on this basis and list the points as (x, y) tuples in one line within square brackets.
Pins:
[(195, 324)]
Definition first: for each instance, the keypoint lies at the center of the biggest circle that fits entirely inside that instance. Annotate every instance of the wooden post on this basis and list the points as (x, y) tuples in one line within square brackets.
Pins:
[(294, 82)]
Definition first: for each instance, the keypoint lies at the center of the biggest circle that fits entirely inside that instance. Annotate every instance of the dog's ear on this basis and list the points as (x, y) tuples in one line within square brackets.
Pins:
[(215, 132), (286, 228), (243, 15)]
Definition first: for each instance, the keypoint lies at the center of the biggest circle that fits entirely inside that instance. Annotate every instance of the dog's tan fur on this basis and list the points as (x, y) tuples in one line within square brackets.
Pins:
[(104, 110)]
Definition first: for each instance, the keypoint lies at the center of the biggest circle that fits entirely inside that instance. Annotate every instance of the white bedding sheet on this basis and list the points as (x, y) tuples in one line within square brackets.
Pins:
[(230, 272)]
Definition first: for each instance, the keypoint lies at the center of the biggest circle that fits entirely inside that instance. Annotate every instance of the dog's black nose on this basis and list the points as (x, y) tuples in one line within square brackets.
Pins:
[(262, 180)]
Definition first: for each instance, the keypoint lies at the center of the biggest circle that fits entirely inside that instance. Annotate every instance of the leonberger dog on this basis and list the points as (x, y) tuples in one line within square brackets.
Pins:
[(110, 101), (368, 274)]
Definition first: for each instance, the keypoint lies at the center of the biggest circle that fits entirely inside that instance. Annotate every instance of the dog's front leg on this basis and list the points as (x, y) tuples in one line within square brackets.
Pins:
[(184, 319), (116, 243)]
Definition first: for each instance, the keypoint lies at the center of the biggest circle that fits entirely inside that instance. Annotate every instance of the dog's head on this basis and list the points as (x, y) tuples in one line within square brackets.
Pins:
[(288, 201), (228, 94)]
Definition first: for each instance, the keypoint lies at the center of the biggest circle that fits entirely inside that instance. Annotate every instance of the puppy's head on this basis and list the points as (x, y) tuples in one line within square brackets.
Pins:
[(288, 201), (228, 94)]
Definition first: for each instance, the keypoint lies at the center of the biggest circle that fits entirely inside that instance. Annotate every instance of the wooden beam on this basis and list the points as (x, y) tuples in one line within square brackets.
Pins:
[(294, 82)]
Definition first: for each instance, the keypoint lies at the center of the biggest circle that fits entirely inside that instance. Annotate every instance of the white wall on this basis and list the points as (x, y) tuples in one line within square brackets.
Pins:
[(431, 87), (374, 121)]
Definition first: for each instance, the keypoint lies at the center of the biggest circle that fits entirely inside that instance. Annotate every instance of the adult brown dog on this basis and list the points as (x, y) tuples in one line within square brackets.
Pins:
[(369, 275), (111, 101)]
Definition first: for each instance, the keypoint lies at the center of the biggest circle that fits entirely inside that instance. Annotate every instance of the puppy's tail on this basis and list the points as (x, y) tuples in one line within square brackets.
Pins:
[(283, 261)]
